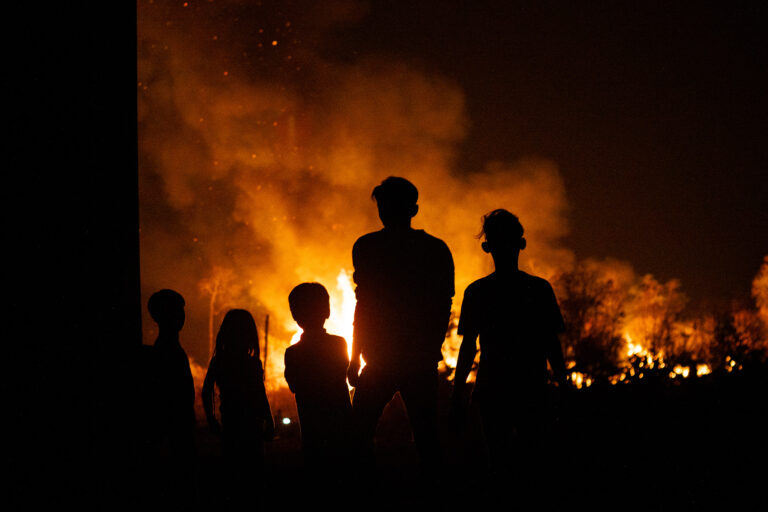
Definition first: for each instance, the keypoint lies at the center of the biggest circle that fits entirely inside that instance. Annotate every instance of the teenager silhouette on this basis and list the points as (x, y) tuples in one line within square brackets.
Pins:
[(174, 400), (517, 319), (316, 371), (246, 418), (404, 279)]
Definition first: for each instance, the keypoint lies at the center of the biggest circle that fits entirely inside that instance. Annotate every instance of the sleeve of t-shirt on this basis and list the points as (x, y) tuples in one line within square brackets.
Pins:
[(468, 321), (553, 317), (342, 356)]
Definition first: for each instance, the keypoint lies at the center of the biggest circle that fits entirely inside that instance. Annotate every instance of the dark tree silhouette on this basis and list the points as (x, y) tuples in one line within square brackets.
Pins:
[(593, 311)]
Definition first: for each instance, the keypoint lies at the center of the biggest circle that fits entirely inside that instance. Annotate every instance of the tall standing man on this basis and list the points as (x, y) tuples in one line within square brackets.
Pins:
[(404, 279)]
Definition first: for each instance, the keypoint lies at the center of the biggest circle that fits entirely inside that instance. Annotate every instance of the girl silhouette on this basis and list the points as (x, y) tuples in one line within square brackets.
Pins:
[(246, 419)]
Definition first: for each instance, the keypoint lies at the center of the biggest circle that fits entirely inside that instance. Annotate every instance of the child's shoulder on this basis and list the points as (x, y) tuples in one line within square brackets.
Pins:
[(294, 350), (336, 341), (332, 338)]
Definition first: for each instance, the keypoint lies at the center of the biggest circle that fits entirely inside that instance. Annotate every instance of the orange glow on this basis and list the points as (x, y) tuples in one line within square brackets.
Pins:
[(291, 175)]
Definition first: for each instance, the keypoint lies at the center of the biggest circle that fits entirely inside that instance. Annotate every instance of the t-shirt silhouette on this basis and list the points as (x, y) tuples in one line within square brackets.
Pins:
[(404, 288), (316, 371), (244, 405), (517, 318)]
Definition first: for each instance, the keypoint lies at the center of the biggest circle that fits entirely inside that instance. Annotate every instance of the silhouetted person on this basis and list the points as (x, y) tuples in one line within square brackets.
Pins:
[(246, 418), (175, 399), (518, 321), (404, 279), (316, 371)]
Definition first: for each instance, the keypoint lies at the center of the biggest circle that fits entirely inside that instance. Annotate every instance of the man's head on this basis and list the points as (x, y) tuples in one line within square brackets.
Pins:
[(396, 199), (310, 305), (167, 309), (503, 233)]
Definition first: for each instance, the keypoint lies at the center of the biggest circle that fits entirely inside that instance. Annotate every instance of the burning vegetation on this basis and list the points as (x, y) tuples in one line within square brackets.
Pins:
[(257, 159)]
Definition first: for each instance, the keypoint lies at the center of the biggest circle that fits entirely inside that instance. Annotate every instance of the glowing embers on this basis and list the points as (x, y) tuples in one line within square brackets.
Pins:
[(580, 380)]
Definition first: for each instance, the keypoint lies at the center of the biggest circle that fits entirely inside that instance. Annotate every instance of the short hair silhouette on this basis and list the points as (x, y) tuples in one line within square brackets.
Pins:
[(164, 306), (501, 223), (308, 302), (237, 336), (396, 190)]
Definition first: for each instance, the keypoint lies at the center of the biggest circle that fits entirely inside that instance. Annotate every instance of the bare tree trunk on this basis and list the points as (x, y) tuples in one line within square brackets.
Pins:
[(211, 314)]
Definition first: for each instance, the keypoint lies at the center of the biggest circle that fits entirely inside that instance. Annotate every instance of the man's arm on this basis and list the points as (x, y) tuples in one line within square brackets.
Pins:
[(358, 329), (555, 338), (467, 353), (353, 370), (449, 277)]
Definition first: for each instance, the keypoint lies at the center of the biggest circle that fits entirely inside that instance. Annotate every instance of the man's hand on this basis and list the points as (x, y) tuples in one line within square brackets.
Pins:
[(458, 408), (563, 394), (353, 373)]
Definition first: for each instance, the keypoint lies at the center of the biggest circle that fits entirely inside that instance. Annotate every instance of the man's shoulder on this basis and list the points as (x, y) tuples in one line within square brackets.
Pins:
[(479, 284), (371, 237), (369, 241), (430, 239)]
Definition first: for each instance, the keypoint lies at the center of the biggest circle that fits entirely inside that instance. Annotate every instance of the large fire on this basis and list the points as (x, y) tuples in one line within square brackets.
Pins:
[(257, 160)]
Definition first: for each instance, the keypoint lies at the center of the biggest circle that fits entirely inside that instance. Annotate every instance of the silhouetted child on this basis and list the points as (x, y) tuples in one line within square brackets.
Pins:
[(246, 418), (315, 370), (174, 400), (518, 321)]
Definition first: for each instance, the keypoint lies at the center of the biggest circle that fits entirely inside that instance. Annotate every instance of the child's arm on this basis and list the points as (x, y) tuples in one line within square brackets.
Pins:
[(265, 412), (289, 373), (208, 391)]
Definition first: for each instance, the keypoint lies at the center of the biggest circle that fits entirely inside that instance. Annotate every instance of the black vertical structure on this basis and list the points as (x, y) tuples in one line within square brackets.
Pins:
[(73, 326)]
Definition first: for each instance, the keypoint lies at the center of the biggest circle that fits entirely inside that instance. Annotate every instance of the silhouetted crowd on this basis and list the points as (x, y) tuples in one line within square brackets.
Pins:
[(404, 281)]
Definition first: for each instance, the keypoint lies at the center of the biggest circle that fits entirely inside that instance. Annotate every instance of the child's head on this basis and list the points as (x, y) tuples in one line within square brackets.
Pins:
[(166, 308), (503, 232), (396, 200), (310, 305), (237, 335)]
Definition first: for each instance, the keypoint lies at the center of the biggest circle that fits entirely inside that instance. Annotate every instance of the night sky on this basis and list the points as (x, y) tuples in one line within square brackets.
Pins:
[(654, 113)]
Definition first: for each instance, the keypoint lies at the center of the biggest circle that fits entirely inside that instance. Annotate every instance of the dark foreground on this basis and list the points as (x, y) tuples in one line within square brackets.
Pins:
[(654, 445), (697, 444)]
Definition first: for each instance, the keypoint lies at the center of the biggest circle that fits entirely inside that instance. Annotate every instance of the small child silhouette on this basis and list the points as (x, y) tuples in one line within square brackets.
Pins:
[(315, 370), (246, 418), (173, 402)]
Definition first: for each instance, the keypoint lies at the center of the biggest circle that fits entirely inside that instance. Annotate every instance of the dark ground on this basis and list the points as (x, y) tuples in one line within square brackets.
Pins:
[(695, 444), (654, 445)]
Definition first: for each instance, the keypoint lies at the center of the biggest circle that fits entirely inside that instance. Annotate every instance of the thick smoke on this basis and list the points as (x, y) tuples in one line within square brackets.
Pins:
[(257, 164)]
